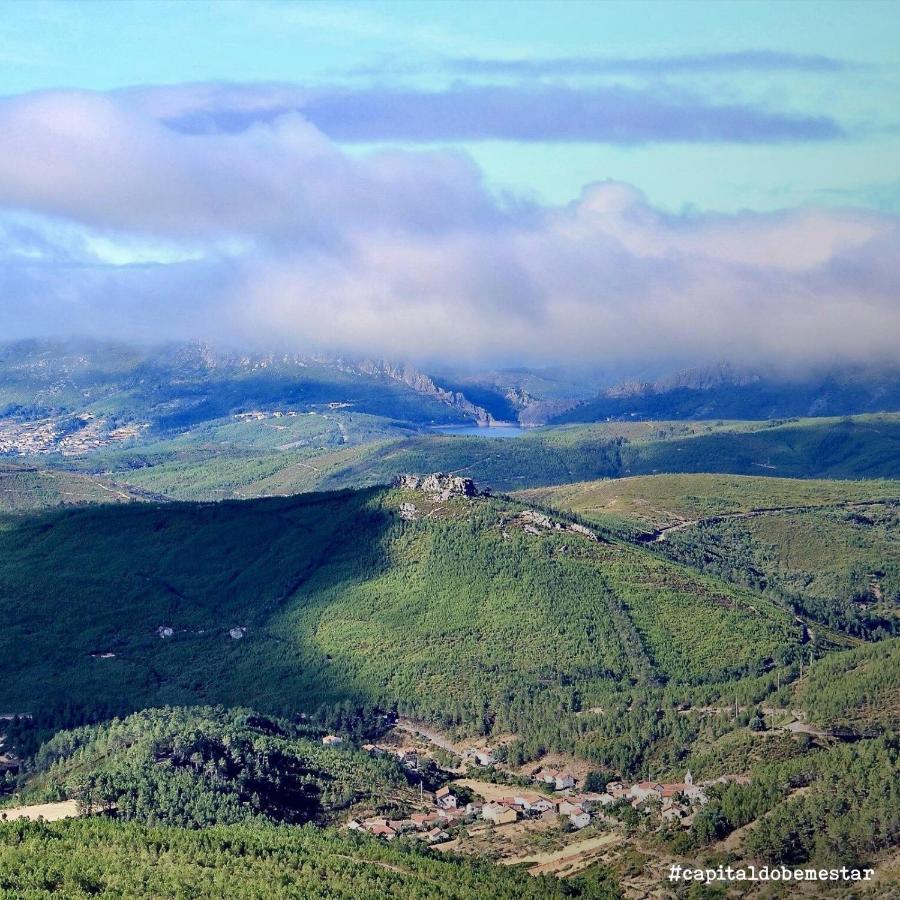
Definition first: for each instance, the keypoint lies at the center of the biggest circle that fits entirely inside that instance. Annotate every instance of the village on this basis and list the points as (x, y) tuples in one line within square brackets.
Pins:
[(490, 795), (70, 437)]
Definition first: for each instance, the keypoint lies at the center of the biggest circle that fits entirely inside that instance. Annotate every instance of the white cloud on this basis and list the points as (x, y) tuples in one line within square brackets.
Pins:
[(273, 234)]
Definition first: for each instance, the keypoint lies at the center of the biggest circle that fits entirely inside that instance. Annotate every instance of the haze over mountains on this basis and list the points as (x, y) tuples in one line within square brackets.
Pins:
[(176, 383)]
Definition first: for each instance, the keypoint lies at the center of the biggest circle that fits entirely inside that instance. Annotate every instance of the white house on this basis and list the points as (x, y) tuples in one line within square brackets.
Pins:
[(444, 799), (578, 818)]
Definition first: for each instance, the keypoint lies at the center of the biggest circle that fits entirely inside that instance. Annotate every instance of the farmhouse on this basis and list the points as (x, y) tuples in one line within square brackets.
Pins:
[(332, 740)]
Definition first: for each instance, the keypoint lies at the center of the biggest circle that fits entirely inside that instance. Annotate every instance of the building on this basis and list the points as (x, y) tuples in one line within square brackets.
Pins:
[(409, 758), (332, 740), (559, 781), (444, 799), (578, 818), (482, 757), (534, 804), (498, 813), (424, 820), (644, 789), (568, 806)]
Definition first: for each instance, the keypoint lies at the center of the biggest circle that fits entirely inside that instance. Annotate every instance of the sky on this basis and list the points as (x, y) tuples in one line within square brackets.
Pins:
[(490, 182)]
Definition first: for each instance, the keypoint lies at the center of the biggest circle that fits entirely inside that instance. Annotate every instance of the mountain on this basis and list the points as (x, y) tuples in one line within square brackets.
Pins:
[(473, 612), (80, 396), (727, 392)]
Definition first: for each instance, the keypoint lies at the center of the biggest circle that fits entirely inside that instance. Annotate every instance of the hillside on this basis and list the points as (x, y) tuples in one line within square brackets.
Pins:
[(832, 548), (203, 766), (729, 393), (465, 611), (862, 447), (31, 487), (858, 690), (92, 857)]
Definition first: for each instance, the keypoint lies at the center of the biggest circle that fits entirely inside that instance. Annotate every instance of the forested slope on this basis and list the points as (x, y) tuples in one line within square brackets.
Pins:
[(469, 615), (94, 857)]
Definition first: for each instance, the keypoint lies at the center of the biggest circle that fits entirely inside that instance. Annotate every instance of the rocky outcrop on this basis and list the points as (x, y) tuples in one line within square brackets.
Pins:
[(437, 485), (424, 384), (533, 521)]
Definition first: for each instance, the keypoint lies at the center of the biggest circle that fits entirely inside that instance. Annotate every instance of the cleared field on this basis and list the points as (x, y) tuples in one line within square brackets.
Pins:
[(830, 548), (49, 812), (655, 502)]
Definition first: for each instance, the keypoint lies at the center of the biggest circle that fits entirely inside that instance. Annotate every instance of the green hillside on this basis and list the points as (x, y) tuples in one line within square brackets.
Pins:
[(30, 487), (856, 690), (203, 766), (832, 548), (235, 461), (463, 616), (653, 502), (100, 857)]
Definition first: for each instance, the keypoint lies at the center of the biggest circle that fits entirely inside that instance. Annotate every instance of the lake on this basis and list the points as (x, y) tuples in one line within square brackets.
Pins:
[(495, 431)]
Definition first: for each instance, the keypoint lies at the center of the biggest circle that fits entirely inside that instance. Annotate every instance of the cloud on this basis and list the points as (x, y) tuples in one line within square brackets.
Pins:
[(653, 66), (613, 114), (113, 223)]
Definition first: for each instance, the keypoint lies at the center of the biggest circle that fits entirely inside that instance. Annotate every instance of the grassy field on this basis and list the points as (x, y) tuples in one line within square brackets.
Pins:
[(655, 502), (832, 548)]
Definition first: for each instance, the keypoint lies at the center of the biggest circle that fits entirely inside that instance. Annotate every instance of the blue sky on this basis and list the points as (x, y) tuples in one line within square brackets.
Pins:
[(483, 183), (424, 46)]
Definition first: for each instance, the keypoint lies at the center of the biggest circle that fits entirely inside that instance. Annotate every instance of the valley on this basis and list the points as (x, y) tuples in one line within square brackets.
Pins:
[(274, 611)]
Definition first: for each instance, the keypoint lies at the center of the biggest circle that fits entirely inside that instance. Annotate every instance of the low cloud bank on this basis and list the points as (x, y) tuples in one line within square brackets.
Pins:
[(114, 222)]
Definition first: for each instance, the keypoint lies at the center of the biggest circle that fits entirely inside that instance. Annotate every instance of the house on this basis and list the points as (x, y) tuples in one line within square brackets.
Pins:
[(558, 780), (402, 825), (424, 820), (567, 807), (644, 789), (436, 835), (534, 804), (579, 818), (591, 800), (384, 831), (452, 815), (444, 799), (673, 814), (617, 790), (332, 740), (353, 825), (562, 781), (498, 813)]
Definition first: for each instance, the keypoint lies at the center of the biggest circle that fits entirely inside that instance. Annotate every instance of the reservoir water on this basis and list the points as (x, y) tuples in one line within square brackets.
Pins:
[(493, 431)]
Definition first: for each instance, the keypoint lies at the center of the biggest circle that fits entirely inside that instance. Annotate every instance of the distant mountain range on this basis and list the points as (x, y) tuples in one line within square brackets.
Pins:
[(725, 392), (174, 387)]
